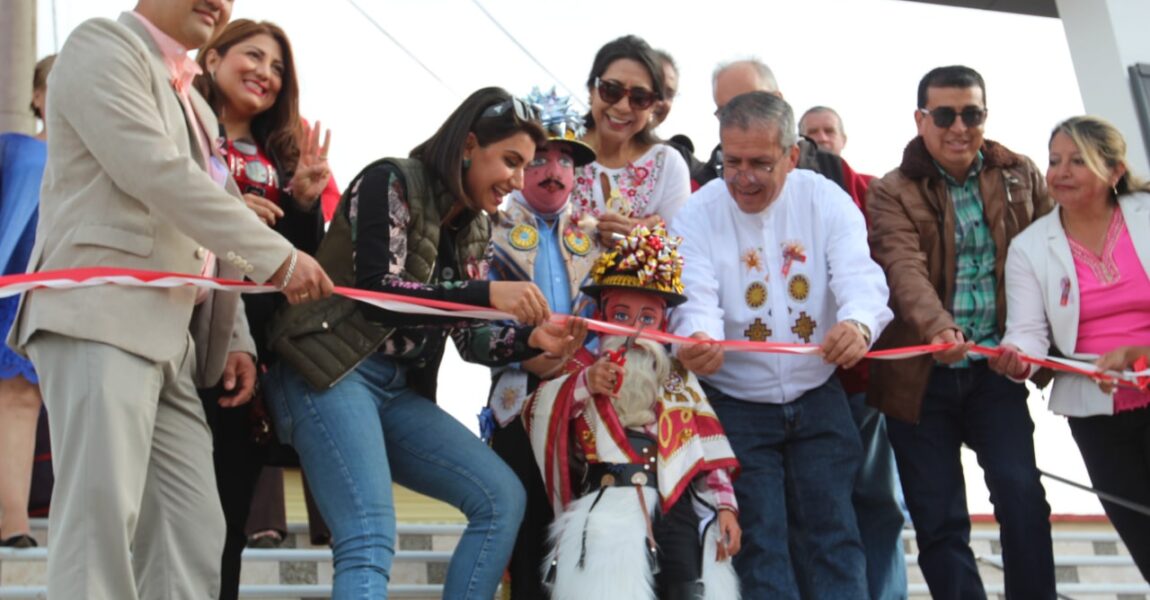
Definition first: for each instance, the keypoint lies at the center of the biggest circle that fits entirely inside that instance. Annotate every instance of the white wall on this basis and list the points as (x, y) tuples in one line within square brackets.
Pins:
[(1106, 37)]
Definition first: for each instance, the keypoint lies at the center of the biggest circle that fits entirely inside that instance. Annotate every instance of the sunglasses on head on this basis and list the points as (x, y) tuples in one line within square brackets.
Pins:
[(612, 92), (944, 116), (522, 110)]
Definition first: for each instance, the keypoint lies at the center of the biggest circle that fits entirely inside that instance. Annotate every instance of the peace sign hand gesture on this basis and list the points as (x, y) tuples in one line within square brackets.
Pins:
[(312, 171)]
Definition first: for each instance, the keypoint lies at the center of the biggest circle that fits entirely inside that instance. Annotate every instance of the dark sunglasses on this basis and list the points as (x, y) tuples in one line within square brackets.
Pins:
[(522, 110), (612, 92), (943, 116)]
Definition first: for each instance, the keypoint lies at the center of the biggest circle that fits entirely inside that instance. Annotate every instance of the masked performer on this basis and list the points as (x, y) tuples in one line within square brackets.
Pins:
[(636, 463)]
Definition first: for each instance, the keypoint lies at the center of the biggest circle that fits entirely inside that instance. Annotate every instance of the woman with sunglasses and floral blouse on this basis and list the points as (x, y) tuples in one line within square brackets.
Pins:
[(351, 392), (635, 177), (250, 82)]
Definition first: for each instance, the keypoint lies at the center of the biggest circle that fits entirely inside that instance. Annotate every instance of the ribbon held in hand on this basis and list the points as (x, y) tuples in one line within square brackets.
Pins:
[(11, 285)]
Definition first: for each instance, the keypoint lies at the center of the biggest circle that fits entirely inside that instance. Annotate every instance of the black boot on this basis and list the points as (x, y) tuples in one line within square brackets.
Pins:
[(684, 590)]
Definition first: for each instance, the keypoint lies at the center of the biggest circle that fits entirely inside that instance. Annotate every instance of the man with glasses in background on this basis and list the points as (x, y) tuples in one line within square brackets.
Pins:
[(737, 77), (778, 254), (941, 224)]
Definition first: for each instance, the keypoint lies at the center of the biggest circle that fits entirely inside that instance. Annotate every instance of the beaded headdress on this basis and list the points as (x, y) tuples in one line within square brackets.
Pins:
[(647, 260)]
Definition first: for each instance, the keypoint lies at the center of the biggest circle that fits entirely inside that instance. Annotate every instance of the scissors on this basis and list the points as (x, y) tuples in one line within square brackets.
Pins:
[(619, 355), (1139, 365)]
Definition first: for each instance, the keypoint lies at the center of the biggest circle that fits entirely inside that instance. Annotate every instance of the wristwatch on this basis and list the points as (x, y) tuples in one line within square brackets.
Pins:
[(863, 329)]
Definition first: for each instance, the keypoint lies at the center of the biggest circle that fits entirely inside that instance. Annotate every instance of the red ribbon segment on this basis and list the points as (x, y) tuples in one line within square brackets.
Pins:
[(11, 285)]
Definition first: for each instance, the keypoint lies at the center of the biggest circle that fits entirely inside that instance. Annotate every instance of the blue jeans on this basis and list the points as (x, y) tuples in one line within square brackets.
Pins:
[(799, 461), (975, 406), (369, 430), (877, 506)]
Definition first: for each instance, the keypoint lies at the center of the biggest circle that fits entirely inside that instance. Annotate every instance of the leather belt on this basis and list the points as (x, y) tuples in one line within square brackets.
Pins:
[(645, 473)]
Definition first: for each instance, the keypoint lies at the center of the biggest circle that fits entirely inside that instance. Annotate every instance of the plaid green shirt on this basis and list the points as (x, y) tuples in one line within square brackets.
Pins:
[(974, 310)]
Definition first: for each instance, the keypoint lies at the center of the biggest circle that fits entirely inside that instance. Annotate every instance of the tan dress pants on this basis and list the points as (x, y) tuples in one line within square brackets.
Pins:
[(135, 513)]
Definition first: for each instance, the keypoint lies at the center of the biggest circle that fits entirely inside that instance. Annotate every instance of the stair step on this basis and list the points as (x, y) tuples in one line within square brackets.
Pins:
[(1090, 562)]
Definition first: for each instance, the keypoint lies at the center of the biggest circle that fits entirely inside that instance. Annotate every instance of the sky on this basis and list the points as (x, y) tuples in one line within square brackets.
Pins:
[(862, 57)]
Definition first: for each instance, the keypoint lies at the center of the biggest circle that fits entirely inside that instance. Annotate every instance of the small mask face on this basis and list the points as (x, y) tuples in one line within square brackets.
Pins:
[(548, 178), (633, 308)]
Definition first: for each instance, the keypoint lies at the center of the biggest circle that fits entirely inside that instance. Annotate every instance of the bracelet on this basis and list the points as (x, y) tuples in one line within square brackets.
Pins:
[(290, 270), (862, 328)]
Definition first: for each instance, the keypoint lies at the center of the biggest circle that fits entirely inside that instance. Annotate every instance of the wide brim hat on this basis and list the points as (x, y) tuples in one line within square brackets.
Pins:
[(581, 153), (647, 260)]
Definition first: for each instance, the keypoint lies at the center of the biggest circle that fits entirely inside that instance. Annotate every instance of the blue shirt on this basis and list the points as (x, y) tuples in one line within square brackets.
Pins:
[(22, 160), (550, 269)]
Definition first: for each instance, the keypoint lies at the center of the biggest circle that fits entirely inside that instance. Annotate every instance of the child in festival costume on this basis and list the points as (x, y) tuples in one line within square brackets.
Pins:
[(646, 510), (536, 239)]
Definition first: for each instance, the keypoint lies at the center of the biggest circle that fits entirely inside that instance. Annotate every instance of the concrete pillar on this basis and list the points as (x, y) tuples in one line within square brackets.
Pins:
[(17, 61), (1106, 37)]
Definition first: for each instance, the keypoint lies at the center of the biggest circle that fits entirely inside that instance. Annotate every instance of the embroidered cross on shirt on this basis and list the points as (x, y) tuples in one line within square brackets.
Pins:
[(805, 327), (758, 331)]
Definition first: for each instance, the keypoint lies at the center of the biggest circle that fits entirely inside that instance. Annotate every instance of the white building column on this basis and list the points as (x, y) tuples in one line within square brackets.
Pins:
[(17, 62), (1106, 37)]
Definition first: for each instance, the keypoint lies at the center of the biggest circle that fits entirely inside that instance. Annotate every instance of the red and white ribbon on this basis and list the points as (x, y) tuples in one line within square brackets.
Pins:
[(11, 285)]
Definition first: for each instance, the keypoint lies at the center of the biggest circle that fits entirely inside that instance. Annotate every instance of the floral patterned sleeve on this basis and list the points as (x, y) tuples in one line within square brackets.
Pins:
[(379, 216), (494, 343)]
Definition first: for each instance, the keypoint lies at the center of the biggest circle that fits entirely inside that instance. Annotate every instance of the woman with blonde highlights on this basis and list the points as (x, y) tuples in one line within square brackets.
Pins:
[(1077, 282)]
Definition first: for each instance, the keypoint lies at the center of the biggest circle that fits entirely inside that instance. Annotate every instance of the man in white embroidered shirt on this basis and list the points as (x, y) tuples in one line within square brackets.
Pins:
[(775, 254)]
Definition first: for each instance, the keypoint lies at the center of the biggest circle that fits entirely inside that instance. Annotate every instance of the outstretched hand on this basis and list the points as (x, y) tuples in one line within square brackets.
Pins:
[(559, 340), (1120, 359), (312, 170), (1009, 362), (702, 358), (268, 212), (522, 299), (954, 354), (604, 375), (844, 345)]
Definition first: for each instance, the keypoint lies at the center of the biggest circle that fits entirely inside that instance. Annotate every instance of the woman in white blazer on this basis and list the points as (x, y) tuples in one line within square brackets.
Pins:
[(1078, 284)]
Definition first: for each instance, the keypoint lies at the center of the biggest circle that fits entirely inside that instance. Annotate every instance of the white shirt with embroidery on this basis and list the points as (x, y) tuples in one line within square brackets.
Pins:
[(659, 182), (734, 277)]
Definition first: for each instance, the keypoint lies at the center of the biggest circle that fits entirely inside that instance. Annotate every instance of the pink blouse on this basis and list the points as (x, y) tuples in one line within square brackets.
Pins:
[(1115, 301)]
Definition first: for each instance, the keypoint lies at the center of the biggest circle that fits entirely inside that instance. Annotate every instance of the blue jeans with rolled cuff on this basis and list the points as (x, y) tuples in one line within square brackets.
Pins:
[(370, 430)]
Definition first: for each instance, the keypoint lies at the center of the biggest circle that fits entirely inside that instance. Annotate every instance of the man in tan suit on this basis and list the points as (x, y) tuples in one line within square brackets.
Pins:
[(133, 181)]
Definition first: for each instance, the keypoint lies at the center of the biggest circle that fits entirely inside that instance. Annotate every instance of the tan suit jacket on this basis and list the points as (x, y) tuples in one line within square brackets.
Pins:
[(126, 186)]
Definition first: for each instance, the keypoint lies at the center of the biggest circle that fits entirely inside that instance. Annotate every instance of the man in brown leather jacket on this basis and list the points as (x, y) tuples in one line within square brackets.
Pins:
[(941, 224)]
